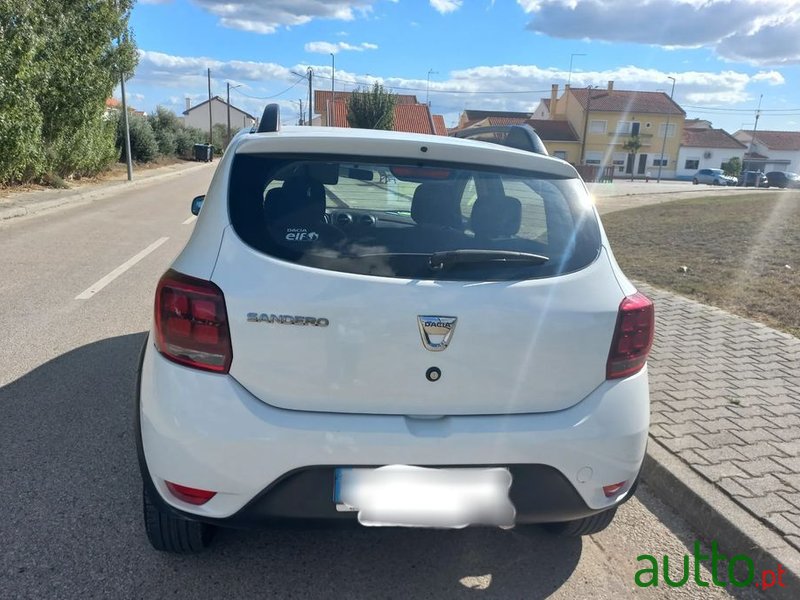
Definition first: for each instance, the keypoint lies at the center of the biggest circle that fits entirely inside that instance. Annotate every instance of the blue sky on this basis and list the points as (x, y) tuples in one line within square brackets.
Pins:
[(484, 54)]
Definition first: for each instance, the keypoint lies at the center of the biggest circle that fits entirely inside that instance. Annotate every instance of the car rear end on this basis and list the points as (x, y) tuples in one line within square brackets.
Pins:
[(349, 304)]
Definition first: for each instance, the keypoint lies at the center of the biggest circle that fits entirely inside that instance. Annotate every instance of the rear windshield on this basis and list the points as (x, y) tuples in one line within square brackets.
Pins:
[(412, 220)]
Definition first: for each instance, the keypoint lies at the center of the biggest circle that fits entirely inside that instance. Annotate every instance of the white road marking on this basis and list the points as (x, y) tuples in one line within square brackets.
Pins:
[(99, 285), (191, 219)]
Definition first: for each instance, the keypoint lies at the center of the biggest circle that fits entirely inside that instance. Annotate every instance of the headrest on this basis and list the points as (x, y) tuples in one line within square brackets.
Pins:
[(496, 216), (300, 200), (435, 204)]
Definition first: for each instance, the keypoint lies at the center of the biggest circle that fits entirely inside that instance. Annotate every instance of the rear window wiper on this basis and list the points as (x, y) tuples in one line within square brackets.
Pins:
[(441, 260)]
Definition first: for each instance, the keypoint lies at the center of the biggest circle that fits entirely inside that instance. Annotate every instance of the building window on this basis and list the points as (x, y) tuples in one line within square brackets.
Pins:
[(670, 129), (660, 163), (594, 158), (623, 127), (562, 154), (692, 164), (597, 126)]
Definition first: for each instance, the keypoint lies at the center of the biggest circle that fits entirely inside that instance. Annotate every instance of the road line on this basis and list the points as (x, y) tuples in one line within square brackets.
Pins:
[(99, 285), (191, 219)]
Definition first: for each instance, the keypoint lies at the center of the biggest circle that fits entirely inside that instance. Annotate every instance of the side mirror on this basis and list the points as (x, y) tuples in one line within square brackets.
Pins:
[(197, 204)]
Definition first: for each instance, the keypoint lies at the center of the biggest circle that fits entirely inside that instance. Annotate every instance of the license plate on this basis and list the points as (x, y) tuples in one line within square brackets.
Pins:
[(403, 495)]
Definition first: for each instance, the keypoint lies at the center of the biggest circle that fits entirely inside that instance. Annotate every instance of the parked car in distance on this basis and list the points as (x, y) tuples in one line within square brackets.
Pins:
[(753, 178), (713, 177), (783, 179), (455, 346)]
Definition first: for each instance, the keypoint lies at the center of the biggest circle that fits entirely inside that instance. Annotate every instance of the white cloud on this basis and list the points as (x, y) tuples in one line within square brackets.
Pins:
[(445, 6), (765, 32), (170, 78), (335, 48), (267, 16)]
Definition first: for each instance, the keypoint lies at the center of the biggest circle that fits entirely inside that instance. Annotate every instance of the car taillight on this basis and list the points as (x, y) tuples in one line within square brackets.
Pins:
[(190, 495), (633, 337), (192, 323)]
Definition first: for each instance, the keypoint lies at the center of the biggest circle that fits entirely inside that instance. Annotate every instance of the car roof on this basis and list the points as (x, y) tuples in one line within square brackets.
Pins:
[(371, 143)]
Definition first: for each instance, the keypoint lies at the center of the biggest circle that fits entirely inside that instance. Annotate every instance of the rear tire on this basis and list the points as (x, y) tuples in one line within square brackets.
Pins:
[(586, 526), (694, 181), (169, 533)]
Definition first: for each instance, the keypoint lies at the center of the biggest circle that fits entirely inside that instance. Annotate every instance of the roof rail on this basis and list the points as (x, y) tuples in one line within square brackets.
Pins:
[(521, 137), (270, 120)]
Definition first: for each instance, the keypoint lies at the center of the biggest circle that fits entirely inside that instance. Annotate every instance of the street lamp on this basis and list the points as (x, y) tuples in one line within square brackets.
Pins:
[(228, 106), (666, 130), (571, 56), (428, 87)]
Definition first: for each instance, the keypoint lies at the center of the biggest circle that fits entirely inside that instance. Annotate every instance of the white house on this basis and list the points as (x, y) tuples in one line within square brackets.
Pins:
[(706, 148), (772, 151), (197, 116)]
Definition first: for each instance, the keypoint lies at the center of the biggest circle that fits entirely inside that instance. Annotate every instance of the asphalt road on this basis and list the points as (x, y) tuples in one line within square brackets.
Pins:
[(70, 525)]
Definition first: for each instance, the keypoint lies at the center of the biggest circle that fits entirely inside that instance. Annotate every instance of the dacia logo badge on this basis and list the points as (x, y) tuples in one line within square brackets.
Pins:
[(436, 331)]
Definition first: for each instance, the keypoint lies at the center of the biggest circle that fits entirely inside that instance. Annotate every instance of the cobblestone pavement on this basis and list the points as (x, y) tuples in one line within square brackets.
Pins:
[(725, 397)]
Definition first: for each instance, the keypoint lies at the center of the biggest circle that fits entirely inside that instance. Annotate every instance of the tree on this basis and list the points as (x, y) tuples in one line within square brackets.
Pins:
[(733, 167), (371, 108), (633, 145), (59, 61)]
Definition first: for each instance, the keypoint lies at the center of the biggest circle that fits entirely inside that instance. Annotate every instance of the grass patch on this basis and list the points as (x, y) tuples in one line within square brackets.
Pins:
[(736, 250)]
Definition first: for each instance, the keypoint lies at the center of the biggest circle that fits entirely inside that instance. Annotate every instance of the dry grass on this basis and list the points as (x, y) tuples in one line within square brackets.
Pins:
[(742, 253)]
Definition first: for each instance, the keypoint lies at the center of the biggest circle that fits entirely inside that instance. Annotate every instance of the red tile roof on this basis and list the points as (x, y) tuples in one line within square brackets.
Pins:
[(697, 137), (553, 131), (493, 121), (779, 140), (113, 103), (438, 125), (628, 101), (479, 115), (321, 98), (412, 118)]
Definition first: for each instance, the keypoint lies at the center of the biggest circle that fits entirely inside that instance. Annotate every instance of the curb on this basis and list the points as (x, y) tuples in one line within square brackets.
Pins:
[(715, 516), (81, 196)]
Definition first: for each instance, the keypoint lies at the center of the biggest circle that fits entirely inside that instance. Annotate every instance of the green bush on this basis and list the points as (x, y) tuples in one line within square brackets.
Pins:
[(185, 140), (144, 147)]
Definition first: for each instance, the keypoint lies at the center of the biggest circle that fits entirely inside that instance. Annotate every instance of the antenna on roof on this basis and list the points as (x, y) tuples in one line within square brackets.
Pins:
[(270, 120)]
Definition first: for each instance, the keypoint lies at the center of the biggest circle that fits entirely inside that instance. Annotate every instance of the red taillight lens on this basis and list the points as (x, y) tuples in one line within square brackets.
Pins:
[(190, 495), (192, 323), (613, 489), (633, 337)]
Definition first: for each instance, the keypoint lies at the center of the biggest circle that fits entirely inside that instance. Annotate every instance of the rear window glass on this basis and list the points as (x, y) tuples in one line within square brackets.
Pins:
[(412, 220)]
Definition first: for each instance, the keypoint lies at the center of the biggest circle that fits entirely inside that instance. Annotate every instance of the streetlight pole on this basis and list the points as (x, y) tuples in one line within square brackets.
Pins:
[(572, 56), (753, 138), (310, 100), (230, 87), (666, 130), (428, 87), (128, 159), (333, 76)]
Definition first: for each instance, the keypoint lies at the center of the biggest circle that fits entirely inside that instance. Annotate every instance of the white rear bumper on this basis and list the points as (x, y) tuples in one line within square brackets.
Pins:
[(206, 431)]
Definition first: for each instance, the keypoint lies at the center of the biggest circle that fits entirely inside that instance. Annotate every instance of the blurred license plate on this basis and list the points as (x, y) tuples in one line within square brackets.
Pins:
[(402, 495)]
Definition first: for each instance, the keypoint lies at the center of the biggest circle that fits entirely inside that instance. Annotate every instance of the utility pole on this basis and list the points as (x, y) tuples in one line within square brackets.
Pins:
[(210, 123), (310, 97), (228, 107), (301, 113), (753, 139), (586, 122), (571, 56), (666, 129), (428, 87), (128, 159), (333, 77)]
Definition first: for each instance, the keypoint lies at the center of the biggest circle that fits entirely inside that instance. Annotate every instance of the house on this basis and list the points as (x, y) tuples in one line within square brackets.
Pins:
[(706, 148), (606, 119), (322, 100), (197, 116), (771, 151), (470, 116), (114, 108), (409, 115), (542, 110), (558, 137)]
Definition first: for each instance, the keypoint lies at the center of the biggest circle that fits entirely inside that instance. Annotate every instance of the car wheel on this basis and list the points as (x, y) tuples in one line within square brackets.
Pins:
[(694, 181), (169, 533), (586, 526), (715, 182)]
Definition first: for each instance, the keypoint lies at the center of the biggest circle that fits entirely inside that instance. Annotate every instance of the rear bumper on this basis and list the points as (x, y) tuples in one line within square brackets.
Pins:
[(206, 431)]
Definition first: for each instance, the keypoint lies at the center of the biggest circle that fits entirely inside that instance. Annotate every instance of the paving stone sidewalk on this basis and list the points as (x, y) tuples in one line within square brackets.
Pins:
[(725, 395)]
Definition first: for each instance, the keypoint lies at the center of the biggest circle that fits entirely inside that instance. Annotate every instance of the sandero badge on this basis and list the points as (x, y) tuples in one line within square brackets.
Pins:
[(436, 332)]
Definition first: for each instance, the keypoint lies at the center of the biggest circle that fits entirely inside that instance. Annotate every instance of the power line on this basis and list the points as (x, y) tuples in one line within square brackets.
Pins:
[(274, 95), (740, 110)]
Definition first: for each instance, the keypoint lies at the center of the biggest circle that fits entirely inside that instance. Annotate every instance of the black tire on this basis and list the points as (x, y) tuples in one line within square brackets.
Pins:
[(586, 526), (694, 181), (715, 182), (169, 533)]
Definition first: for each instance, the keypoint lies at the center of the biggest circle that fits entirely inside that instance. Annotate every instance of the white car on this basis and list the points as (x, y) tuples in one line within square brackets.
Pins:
[(714, 177), (450, 345)]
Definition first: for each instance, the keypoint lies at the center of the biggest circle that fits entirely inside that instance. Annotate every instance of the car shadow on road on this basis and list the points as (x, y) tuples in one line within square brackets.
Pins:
[(71, 498)]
